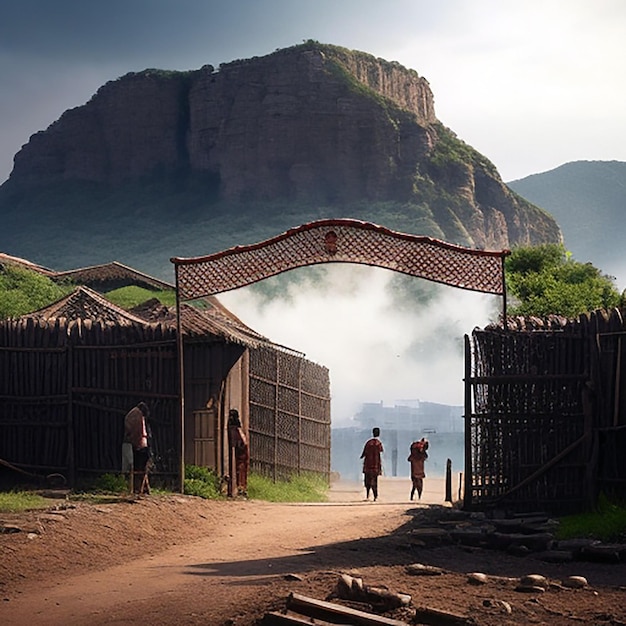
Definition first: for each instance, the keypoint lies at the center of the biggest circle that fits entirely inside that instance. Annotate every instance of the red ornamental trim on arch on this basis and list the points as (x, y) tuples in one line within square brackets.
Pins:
[(341, 241)]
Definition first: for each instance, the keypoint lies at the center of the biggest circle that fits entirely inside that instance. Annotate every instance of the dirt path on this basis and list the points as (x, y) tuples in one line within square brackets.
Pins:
[(250, 548), (173, 560)]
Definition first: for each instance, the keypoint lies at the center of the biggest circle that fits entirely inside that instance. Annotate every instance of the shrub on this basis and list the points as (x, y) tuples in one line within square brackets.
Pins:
[(202, 482)]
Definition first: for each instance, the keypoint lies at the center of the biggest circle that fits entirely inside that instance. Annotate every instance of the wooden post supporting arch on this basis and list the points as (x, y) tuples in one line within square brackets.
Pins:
[(334, 241)]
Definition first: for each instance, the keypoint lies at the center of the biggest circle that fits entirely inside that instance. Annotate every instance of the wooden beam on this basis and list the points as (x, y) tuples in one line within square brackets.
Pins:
[(320, 609)]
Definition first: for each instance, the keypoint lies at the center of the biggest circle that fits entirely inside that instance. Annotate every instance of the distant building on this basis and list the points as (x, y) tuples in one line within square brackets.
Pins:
[(401, 424), (412, 415)]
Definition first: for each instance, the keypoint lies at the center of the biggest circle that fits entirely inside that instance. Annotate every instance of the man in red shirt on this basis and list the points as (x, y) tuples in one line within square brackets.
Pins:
[(372, 463)]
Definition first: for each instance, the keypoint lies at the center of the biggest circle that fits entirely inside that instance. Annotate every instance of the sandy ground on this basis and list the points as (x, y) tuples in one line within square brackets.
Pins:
[(181, 560), (390, 491)]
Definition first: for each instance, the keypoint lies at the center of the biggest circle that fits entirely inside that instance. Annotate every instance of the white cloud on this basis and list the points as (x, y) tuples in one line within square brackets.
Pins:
[(374, 348)]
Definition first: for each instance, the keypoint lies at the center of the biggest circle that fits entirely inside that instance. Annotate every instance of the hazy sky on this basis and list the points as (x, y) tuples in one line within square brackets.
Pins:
[(531, 84)]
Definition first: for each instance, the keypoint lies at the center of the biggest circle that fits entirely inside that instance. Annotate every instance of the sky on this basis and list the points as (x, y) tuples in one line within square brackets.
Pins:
[(530, 84)]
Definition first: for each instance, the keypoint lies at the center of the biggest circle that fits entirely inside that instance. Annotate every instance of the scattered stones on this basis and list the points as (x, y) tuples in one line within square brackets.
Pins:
[(419, 569)]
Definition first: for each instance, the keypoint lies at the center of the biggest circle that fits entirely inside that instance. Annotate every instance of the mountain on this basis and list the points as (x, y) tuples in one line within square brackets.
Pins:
[(588, 200), (161, 163)]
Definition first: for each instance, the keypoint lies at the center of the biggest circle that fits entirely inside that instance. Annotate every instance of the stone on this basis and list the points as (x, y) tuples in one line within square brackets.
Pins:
[(477, 578), (574, 582), (419, 569), (534, 580)]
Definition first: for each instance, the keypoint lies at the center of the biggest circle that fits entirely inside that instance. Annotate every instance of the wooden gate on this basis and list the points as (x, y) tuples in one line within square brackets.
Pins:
[(544, 415)]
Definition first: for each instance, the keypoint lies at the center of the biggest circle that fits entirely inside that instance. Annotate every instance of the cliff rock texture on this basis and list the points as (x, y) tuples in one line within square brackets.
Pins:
[(313, 125)]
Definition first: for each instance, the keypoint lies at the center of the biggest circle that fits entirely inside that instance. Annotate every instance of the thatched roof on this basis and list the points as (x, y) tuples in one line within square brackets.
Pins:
[(104, 277), (211, 320), (208, 317), (85, 303), (7, 259), (110, 276)]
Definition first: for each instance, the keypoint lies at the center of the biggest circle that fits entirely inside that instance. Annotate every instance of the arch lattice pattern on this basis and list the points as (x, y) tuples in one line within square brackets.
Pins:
[(341, 241)]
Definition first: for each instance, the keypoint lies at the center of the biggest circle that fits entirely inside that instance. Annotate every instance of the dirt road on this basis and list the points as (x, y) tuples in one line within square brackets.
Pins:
[(169, 560), (248, 549)]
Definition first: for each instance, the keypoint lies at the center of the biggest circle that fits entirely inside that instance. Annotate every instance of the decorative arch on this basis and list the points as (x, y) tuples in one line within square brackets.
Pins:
[(332, 241), (341, 241)]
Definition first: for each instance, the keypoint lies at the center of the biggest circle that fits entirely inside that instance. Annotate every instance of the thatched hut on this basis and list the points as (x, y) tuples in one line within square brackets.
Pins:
[(69, 372)]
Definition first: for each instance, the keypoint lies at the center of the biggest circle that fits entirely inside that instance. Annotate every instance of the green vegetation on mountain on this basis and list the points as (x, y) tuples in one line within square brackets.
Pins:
[(588, 200), (545, 280), (162, 163)]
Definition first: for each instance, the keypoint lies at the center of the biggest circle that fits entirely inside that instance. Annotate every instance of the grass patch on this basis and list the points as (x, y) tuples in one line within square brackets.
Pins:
[(607, 523), (132, 296), (16, 501), (303, 488)]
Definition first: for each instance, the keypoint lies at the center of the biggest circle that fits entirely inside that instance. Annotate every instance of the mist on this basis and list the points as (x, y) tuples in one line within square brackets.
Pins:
[(383, 336)]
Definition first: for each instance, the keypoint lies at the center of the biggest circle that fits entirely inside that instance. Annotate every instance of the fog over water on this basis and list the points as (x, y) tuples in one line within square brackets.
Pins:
[(383, 336)]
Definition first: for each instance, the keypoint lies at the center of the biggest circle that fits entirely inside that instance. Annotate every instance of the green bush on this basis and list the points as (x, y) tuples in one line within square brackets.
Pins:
[(110, 483), (202, 482), (24, 291)]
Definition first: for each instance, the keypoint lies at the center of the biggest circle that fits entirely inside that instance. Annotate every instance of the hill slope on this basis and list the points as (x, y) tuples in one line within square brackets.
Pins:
[(161, 163), (588, 200)]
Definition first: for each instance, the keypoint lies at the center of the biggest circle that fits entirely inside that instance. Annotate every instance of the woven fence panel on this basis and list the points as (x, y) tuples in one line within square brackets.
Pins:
[(346, 241), (263, 392), (289, 400), (313, 458), (289, 367), (315, 407), (288, 426), (284, 420), (527, 409), (314, 433), (315, 379), (264, 363)]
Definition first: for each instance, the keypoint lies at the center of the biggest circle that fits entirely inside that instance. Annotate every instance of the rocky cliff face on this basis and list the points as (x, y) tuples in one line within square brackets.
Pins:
[(313, 124)]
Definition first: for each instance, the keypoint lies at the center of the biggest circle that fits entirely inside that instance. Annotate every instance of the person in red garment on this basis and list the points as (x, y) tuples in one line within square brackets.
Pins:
[(239, 442), (416, 459), (372, 463)]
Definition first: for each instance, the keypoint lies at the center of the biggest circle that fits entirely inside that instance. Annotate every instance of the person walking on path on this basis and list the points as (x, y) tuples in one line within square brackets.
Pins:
[(416, 459), (372, 464)]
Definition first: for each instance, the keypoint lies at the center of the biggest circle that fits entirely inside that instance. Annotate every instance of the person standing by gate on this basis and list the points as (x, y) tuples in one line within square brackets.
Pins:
[(372, 464), (136, 435), (416, 459), (239, 442)]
